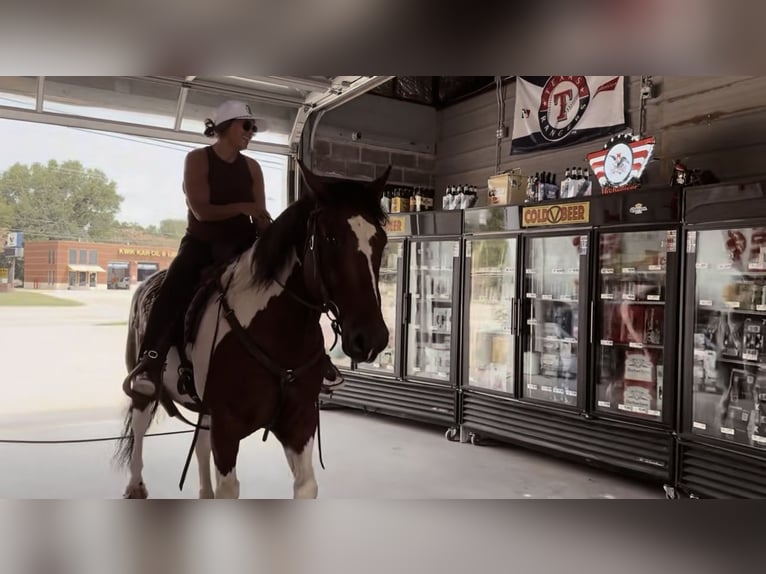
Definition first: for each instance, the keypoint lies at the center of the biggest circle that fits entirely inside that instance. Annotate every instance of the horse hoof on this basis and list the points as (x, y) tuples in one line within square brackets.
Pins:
[(206, 494), (137, 491)]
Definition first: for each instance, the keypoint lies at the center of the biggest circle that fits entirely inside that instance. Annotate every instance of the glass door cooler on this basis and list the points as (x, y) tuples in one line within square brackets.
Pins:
[(415, 376), (555, 318), (723, 438), (635, 323)]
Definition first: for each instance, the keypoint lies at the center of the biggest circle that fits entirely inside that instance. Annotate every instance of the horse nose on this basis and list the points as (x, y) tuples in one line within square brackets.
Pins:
[(359, 344)]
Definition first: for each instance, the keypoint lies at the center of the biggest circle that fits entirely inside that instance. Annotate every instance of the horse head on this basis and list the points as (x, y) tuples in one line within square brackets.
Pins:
[(345, 239)]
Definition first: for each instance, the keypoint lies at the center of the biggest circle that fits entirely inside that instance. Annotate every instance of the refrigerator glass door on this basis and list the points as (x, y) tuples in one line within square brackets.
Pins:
[(551, 330), (431, 287), (729, 356), (388, 284), (491, 313), (629, 338)]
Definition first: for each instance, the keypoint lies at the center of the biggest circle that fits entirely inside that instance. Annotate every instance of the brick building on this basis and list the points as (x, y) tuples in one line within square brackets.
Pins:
[(81, 265)]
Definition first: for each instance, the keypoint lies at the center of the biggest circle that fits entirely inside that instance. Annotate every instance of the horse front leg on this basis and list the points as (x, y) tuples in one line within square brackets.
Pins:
[(225, 450), (203, 450), (301, 464)]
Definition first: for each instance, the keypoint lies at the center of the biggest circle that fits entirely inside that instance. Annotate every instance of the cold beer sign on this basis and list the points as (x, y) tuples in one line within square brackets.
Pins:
[(556, 214)]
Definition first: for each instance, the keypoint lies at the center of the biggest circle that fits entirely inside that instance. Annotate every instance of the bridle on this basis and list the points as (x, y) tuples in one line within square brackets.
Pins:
[(326, 305)]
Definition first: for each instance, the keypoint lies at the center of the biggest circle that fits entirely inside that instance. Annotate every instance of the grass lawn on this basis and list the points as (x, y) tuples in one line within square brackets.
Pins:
[(26, 299)]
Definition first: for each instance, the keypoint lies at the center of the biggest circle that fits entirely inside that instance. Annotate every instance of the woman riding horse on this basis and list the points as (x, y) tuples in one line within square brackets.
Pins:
[(224, 190)]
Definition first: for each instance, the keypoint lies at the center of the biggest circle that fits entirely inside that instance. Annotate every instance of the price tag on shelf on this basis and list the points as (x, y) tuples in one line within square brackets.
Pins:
[(531, 321), (706, 303), (546, 388), (607, 343), (531, 386), (571, 393), (655, 268), (607, 271), (700, 426), (628, 297), (607, 296), (759, 439), (547, 297), (605, 404), (756, 266), (558, 391), (702, 266), (530, 271), (573, 270), (531, 295), (727, 431), (628, 269), (557, 271), (633, 345), (724, 266), (652, 297), (760, 307), (732, 304), (672, 240), (750, 356), (655, 413)]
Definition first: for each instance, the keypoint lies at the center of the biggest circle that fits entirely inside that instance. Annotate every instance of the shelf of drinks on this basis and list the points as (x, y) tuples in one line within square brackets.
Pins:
[(608, 298), (731, 307), (757, 269), (492, 272), (632, 409), (549, 297), (551, 389), (431, 330), (556, 271), (621, 345), (651, 270), (569, 340), (386, 271), (434, 298)]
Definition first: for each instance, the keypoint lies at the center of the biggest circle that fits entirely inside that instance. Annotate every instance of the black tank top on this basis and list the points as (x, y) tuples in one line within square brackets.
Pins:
[(229, 183)]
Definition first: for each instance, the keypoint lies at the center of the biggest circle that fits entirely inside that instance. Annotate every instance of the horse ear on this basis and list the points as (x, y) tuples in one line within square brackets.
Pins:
[(315, 186), (378, 186)]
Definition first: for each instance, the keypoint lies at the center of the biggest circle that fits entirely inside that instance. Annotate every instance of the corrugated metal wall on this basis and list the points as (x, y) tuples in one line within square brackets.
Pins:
[(716, 123)]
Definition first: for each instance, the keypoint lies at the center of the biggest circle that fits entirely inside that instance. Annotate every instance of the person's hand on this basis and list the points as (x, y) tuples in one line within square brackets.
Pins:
[(252, 210)]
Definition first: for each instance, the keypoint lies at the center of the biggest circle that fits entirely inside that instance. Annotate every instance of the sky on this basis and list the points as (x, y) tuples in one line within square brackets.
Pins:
[(148, 173)]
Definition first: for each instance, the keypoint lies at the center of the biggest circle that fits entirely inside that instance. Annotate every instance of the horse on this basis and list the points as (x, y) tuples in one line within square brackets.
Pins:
[(262, 364)]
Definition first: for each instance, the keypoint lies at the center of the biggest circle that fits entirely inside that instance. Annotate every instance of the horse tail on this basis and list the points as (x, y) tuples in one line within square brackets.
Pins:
[(127, 439)]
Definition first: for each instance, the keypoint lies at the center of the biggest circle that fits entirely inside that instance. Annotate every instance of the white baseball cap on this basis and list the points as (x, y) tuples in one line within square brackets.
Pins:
[(235, 110)]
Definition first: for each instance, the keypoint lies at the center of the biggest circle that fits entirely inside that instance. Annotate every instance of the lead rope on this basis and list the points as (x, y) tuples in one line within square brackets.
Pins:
[(202, 398)]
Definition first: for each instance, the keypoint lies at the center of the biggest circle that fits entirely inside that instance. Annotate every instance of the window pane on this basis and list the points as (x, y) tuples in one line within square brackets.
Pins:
[(112, 98), (201, 105), (93, 257), (274, 169), (18, 91), (73, 256)]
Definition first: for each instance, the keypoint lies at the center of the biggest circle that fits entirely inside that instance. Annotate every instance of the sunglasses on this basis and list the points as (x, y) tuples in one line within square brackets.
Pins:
[(249, 126)]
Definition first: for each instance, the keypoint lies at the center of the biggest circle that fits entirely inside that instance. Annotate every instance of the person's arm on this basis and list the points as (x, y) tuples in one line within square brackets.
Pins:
[(260, 214), (197, 191)]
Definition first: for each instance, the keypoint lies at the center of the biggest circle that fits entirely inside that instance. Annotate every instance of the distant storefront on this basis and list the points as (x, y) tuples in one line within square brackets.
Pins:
[(78, 265)]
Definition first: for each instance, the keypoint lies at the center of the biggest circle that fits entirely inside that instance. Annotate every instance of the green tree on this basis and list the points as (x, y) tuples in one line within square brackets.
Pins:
[(173, 228), (60, 200)]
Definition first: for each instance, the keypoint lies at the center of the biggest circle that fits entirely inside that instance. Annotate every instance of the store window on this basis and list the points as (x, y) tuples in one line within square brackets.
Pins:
[(92, 257), (73, 256)]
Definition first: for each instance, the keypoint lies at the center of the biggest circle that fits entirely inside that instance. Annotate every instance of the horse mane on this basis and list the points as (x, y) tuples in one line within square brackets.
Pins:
[(288, 231)]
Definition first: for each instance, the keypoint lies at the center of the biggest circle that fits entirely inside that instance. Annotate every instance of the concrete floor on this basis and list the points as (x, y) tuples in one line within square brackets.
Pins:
[(63, 382), (365, 456)]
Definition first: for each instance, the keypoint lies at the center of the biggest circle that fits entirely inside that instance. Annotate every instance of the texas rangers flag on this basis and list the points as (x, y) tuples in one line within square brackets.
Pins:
[(557, 111)]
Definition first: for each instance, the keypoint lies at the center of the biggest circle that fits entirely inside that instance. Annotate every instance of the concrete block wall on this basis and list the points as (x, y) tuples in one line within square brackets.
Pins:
[(358, 161)]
